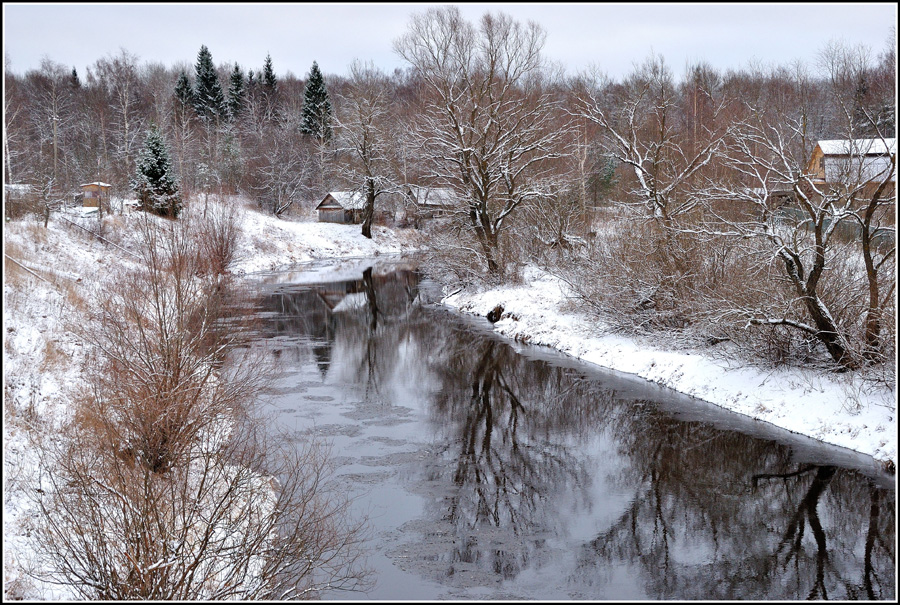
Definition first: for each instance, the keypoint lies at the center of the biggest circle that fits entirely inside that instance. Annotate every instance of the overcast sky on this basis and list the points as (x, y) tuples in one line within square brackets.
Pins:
[(611, 36)]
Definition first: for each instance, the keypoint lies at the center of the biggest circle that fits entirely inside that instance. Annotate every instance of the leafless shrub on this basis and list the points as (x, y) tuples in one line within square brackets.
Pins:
[(243, 517), (164, 485), (453, 255), (217, 232)]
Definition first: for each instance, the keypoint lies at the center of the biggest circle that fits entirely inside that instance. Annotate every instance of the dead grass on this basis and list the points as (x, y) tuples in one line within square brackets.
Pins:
[(54, 358)]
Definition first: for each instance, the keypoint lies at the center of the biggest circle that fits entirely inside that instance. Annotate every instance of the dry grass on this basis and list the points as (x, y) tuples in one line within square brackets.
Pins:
[(53, 357)]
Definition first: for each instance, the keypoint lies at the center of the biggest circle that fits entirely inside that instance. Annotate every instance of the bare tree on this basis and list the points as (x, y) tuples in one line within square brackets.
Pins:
[(243, 517), (364, 124), (643, 133), (119, 74), (488, 123)]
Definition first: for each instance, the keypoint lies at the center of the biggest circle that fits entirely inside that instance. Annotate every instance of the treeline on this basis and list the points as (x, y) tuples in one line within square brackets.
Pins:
[(693, 196)]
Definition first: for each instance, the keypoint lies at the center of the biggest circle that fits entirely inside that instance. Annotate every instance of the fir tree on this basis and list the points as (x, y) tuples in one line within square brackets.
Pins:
[(76, 83), (209, 100), (316, 117), (154, 181), (184, 92), (236, 91), (269, 79)]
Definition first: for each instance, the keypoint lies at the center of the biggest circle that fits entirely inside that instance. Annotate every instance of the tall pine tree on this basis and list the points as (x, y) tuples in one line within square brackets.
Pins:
[(154, 181), (209, 100), (269, 88), (317, 115)]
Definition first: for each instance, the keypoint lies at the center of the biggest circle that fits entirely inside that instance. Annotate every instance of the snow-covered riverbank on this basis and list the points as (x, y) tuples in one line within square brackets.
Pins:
[(50, 278), (838, 409), (59, 267)]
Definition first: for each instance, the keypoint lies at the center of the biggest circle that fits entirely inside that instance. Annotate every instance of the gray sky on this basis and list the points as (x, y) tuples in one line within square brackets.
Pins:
[(612, 36)]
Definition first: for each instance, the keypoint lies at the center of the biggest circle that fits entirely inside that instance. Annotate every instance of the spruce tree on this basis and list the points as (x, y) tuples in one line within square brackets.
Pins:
[(76, 83), (269, 79), (154, 181), (236, 91), (184, 92), (316, 116), (209, 100)]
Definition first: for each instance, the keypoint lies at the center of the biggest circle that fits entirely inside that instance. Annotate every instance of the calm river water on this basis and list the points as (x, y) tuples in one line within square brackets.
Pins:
[(490, 470)]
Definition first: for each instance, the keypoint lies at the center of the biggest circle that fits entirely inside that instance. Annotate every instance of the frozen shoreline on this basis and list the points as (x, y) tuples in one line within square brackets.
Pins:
[(840, 410)]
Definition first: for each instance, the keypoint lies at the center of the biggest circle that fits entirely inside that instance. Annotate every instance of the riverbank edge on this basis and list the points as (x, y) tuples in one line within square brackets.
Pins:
[(804, 402)]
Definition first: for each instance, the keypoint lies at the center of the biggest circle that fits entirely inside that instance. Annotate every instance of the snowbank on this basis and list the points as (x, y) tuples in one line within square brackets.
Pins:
[(838, 409)]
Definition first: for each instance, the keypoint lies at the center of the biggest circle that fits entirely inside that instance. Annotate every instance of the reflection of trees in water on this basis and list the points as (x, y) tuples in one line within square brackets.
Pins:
[(366, 317), (713, 514), (505, 421), (703, 524)]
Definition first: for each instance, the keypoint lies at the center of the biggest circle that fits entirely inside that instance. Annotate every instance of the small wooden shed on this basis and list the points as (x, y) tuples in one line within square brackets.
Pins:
[(431, 202), (344, 207), (94, 193)]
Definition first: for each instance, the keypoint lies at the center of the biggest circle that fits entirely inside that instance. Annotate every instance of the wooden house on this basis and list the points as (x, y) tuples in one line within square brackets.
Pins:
[(852, 163), (430, 202), (345, 207), (94, 193)]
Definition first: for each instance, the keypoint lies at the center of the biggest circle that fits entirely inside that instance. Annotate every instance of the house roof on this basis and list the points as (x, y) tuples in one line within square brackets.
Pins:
[(348, 200), (98, 183), (432, 196), (858, 146)]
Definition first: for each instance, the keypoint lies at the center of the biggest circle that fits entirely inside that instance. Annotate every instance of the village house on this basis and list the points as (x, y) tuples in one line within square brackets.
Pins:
[(843, 163), (430, 202), (345, 207)]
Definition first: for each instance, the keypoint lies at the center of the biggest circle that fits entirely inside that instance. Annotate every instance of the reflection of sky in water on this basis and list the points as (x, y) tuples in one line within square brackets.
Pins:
[(492, 474)]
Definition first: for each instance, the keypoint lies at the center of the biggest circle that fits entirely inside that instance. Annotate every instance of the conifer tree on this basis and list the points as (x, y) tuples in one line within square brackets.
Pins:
[(209, 100), (269, 79), (269, 86), (76, 83), (184, 92), (236, 92), (154, 180), (317, 115)]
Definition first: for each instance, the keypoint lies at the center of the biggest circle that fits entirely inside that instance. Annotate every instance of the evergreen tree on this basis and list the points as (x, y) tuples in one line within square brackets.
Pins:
[(317, 116), (154, 181), (76, 83), (209, 100), (184, 92), (236, 91), (269, 79)]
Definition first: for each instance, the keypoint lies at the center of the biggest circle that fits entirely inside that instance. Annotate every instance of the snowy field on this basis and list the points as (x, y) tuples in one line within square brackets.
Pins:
[(60, 266), (839, 409)]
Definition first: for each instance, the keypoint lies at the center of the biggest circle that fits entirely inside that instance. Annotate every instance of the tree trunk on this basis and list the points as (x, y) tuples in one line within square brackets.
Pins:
[(369, 210)]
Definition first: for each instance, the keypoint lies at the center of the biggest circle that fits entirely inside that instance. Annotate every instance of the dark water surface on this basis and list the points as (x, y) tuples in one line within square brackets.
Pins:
[(496, 471)]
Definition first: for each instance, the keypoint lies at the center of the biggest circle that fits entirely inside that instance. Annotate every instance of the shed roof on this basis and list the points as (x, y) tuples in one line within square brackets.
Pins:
[(432, 196), (348, 200), (858, 146)]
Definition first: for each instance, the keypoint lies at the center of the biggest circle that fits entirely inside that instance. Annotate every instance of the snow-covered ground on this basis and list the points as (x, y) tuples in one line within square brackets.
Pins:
[(840, 409)]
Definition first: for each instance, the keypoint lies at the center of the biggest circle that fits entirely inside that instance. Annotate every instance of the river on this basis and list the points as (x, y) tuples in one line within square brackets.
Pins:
[(491, 470)]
